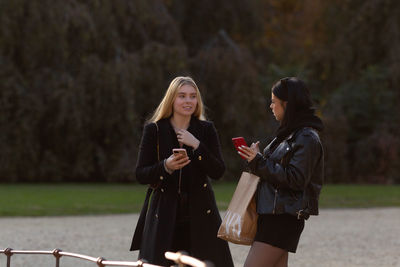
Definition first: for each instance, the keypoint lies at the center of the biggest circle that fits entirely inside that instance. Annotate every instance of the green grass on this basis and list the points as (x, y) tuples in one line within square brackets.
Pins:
[(335, 196), (360, 196), (69, 199), (78, 199)]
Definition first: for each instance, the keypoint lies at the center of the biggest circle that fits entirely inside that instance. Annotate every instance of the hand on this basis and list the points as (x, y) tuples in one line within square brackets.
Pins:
[(187, 138), (249, 153), (176, 162)]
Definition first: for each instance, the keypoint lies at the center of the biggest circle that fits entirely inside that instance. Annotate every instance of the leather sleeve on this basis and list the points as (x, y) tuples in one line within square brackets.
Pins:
[(148, 168), (304, 157), (208, 156)]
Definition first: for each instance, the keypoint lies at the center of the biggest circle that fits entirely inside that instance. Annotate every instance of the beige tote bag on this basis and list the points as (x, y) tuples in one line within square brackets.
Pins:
[(239, 225)]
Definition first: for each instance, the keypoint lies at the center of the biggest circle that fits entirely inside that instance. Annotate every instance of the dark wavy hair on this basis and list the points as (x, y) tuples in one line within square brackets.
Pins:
[(298, 97)]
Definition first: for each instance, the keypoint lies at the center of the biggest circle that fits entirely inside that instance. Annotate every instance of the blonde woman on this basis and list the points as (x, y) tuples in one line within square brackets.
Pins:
[(183, 215)]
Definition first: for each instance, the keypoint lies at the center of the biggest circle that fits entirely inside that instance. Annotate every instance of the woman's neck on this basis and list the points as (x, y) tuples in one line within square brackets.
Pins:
[(180, 122)]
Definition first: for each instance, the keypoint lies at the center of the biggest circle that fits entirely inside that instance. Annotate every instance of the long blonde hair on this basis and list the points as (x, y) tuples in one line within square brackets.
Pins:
[(165, 108)]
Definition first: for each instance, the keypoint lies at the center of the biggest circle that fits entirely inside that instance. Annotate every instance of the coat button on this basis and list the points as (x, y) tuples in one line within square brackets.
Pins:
[(204, 185), (199, 158), (161, 178), (162, 190), (287, 148), (208, 211)]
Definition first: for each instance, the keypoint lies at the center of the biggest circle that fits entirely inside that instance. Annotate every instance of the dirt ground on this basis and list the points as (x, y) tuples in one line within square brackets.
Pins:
[(337, 237)]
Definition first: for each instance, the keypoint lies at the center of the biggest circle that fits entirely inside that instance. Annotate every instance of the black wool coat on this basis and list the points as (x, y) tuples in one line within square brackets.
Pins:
[(155, 228)]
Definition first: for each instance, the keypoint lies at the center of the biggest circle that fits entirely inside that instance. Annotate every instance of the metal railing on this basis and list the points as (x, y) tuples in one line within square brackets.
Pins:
[(179, 258)]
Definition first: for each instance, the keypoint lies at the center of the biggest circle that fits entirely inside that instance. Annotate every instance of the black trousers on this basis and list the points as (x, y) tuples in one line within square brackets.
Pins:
[(182, 237), (181, 241)]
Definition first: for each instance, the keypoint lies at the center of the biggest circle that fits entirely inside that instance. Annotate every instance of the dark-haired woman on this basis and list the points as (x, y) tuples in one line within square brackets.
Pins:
[(291, 169)]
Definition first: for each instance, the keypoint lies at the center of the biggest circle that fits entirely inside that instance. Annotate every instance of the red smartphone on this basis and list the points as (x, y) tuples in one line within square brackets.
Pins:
[(179, 151), (237, 142)]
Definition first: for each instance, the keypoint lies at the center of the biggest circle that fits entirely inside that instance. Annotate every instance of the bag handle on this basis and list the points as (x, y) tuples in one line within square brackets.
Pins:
[(156, 185), (138, 234), (158, 143)]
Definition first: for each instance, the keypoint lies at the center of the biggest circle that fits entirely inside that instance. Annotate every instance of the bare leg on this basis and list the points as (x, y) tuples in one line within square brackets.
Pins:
[(264, 255), (283, 261)]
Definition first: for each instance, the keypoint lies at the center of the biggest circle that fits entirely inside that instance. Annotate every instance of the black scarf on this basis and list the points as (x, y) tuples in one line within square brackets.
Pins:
[(305, 118)]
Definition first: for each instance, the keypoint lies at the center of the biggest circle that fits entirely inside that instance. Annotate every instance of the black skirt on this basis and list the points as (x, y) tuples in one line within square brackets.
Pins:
[(281, 230)]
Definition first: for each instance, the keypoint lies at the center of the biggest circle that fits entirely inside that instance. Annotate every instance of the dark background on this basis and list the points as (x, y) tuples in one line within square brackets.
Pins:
[(79, 78)]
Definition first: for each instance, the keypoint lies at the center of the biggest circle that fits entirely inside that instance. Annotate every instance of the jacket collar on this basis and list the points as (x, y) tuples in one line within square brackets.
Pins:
[(168, 129)]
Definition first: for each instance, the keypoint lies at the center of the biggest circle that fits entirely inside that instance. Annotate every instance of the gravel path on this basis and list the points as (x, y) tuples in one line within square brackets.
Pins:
[(338, 237)]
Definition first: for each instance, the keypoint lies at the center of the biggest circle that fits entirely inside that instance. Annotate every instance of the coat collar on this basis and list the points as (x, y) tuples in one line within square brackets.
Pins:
[(169, 132)]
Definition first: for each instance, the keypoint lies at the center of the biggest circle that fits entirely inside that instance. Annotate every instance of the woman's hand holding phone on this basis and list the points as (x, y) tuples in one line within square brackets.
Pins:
[(178, 159), (238, 142), (247, 153)]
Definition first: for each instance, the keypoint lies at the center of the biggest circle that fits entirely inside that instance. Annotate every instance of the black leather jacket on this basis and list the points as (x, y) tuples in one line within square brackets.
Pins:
[(291, 175)]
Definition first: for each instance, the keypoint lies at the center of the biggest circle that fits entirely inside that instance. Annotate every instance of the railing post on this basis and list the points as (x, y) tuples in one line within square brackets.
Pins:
[(180, 258), (56, 254), (100, 261), (180, 253), (8, 253)]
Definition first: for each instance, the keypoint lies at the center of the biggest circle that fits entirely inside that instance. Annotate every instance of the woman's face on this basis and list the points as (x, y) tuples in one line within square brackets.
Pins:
[(278, 107), (186, 101)]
